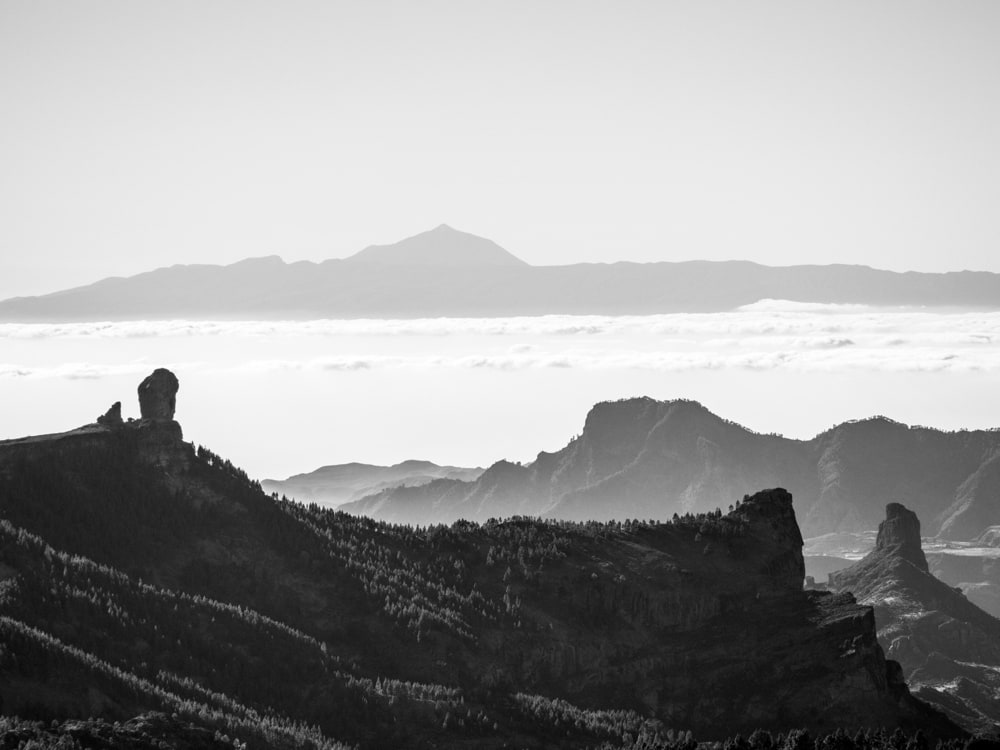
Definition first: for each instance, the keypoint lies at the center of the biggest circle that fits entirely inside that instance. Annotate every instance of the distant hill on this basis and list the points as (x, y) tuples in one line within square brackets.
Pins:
[(442, 247), (340, 483), (641, 458), (949, 648), (445, 272)]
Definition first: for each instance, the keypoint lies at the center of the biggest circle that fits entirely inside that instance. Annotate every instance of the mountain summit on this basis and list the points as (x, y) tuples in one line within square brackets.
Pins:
[(441, 246)]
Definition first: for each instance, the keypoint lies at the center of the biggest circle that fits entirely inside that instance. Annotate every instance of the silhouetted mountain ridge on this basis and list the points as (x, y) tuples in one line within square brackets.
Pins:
[(445, 272), (642, 458), (340, 483)]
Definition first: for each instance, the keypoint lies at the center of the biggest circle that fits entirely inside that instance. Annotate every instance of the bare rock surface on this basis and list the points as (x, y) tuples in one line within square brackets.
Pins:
[(158, 395)]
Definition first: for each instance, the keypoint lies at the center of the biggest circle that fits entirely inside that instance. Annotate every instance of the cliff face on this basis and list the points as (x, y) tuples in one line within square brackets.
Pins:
[(738, 644), (377, 634), (948, 647), (642, 458)]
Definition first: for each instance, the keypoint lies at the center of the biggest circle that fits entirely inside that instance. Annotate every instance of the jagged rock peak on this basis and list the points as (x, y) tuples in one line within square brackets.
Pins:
[(158, 395), (113, 416), (899, 534)]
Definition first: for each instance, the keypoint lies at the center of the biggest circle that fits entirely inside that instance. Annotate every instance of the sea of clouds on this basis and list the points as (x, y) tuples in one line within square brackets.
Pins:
[(769, 335)]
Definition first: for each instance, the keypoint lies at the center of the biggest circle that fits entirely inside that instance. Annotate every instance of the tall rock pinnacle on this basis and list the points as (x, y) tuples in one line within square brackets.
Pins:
[(899, 533), (158, 395)]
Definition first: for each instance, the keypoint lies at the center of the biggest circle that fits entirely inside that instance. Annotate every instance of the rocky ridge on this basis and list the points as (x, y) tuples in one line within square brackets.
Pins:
[(203, 591), (642, 458)]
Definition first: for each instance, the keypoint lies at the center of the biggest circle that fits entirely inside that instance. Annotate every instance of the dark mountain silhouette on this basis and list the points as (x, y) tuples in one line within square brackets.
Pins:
[(445, 272), (642, 458), (949, 648), (341, 483), (139, 573)]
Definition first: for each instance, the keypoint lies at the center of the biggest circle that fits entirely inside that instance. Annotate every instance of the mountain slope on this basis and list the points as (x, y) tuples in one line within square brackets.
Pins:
[(139, 573), (949, 648), (341, 483), (642, 458), (445, 272)]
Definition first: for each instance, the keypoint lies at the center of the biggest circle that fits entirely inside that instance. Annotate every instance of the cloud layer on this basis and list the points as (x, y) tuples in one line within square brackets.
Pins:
[(768, 336)]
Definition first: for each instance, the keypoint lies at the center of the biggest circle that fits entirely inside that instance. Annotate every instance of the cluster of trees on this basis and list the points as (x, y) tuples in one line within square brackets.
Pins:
[(217, 664), (626, 727), (458, 578), (843, 739), (34, 651)]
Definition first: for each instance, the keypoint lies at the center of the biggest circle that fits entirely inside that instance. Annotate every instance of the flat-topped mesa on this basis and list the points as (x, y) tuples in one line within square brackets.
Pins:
[(899, 534), (158, 395)]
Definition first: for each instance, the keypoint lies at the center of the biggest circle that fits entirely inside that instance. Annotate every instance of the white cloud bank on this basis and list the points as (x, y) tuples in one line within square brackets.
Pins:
[(777, 338), (790, 319)]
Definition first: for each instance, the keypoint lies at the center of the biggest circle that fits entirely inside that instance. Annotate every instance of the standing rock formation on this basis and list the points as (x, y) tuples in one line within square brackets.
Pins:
[(899, 534), (158, 395), (948, 647), (113, 416)]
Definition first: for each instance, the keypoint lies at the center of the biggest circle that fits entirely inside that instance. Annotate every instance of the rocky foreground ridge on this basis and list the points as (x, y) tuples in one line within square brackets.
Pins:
[(948, 647), (139, 573), (642, 458)]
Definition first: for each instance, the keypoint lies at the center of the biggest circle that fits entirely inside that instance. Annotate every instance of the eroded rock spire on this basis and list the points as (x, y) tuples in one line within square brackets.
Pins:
[(158, 395)]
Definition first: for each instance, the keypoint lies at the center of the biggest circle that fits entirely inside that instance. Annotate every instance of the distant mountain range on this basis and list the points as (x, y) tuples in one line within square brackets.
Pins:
[(642, 458), (445, 272), (341, 483)]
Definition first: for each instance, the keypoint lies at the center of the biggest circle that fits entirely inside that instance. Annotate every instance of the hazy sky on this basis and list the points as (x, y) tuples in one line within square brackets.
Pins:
[(139, 134)]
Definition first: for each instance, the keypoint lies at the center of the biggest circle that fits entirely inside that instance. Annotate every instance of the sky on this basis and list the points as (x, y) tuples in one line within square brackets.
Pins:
[(135, 135)]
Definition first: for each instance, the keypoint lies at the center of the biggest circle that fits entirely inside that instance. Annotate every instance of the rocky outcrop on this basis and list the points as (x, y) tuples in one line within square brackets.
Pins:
[(899, 536), (158, 395), (705, 624), (112, 417), (948, 647), (158, 437)]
